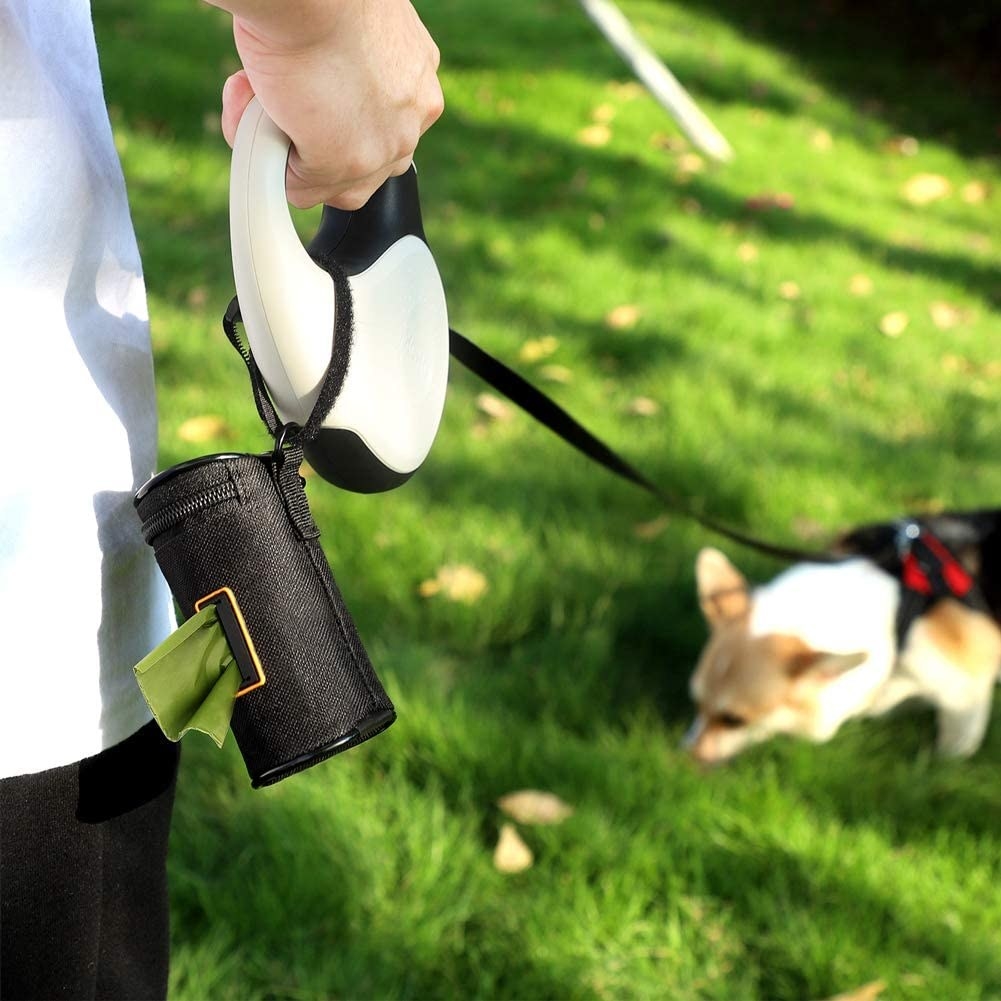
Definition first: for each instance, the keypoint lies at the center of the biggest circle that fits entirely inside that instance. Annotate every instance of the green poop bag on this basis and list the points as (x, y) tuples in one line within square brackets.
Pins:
[(190, 680)]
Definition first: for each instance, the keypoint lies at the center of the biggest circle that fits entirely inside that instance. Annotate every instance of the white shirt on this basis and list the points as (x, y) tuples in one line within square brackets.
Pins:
[(81, 599)]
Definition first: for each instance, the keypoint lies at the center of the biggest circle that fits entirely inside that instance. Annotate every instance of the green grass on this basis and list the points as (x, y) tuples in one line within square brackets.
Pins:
[(798, 872)]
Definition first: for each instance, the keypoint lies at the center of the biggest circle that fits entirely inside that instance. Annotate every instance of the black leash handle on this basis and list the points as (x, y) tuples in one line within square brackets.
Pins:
[(551, 415)]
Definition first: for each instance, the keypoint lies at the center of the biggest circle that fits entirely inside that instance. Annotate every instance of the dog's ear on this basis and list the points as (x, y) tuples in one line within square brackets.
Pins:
[(819, 665), (723, 593)]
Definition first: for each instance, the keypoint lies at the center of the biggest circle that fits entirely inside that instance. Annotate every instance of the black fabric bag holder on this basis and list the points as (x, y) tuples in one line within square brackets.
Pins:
[(242, 522)]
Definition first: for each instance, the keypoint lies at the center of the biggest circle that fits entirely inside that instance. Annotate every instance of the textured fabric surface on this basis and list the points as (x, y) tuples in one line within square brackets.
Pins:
[(242, 523), (78, 377), (83, 870)]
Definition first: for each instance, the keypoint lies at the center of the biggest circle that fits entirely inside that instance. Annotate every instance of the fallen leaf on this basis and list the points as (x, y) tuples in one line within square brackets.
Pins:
[(690, 163), (747, 252), (975, 192), (821, 140), (691, 206), (595, 135), (536, 350), (664, 140), (556, 373), (944, 315), (512, 854), (204, 428), (647, 530), (922, 189), (531, 806), (789, 290), (860, 285), (902, 146), (603, 113), (198, 297), (628, 90), (643, 406), (867, 992), (770, 200), (493, 406), (623, 317), (894, 324), (457, 582)]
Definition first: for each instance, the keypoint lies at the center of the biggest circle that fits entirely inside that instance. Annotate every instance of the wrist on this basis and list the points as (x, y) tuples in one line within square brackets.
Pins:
[(287, 27)]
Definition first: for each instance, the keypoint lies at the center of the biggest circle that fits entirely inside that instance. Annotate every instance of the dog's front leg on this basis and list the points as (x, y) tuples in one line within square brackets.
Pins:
[(961, 729)]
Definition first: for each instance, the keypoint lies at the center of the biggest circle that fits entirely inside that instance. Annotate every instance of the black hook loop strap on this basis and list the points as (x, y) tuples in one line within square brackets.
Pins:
[(333, 381)]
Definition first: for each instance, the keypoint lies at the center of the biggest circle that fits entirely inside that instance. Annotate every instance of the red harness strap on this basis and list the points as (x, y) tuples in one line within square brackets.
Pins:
[(929, 568), (929, 571)]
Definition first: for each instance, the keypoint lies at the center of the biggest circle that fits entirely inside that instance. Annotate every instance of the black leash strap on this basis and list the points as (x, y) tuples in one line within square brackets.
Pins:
[(548, 413)]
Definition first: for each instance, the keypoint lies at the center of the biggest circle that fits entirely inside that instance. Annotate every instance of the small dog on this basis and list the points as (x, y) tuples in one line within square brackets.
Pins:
[(908, 610)]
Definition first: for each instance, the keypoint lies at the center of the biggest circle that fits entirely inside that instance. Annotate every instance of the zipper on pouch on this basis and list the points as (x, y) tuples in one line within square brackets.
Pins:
[(173, 514)]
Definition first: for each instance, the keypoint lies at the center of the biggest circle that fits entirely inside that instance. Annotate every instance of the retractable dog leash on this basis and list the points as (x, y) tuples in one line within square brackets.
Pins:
[(347, 346)]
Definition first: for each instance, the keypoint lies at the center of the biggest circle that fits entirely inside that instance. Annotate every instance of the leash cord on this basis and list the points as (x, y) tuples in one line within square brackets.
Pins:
[(552, 416)]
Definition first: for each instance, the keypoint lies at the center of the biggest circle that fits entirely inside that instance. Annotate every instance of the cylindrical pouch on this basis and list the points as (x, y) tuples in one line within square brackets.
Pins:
[(236, 530)]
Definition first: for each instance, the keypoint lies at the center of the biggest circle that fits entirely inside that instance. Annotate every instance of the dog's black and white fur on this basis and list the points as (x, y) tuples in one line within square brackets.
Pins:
[(912, 610)]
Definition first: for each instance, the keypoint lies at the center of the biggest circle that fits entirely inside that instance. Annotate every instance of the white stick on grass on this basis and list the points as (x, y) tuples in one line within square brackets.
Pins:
[(657, 78)]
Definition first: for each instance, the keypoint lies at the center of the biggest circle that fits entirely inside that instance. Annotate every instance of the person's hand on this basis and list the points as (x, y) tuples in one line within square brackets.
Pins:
[(353, 84)]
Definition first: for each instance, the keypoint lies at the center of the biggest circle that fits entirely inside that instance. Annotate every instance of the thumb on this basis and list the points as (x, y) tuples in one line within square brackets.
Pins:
[(236, 95)]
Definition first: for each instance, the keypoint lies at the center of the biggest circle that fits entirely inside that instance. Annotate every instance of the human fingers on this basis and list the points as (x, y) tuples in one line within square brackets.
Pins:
[(237, 93), (350, 195)]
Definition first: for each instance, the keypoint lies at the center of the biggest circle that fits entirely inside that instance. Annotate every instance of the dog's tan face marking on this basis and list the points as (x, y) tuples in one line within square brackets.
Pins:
[(748, 688), (969, 639)]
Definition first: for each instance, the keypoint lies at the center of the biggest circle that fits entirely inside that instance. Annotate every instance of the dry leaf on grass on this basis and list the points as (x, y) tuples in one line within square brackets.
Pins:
[(204, 428), (747, 251), (821, 140), (457, 582), (894, 324), (789, 290), (860, 285), (769, 200), (867, 992), (595, 135), (902, 146), (604, 113), (623, 317), (556, 373), (539, 348), (512, 854), (647, 530), (493, 406), (532, 806), (922, 189), (643, 406), (690, 163), (945, 315), (975, 192)]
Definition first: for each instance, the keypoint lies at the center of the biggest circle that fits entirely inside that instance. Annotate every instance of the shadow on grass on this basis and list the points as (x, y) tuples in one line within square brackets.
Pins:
[(902, 61)]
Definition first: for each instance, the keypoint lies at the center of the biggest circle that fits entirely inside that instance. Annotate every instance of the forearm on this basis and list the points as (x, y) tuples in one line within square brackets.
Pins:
[(292, 25)]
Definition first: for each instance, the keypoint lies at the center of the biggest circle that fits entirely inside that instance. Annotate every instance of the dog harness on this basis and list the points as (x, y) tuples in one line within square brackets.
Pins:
[(929, 571)]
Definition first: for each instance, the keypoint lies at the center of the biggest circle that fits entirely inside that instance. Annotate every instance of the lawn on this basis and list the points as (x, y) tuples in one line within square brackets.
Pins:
[(797, 341)]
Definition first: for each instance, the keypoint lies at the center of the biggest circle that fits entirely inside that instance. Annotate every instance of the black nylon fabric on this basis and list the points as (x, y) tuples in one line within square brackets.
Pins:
[(243, 522)]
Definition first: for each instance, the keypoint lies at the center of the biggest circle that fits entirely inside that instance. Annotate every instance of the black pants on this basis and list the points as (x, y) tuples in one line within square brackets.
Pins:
[(83, 881)]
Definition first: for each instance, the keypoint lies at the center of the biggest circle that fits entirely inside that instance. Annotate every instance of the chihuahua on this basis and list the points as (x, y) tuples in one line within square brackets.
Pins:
[(897, 615)]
